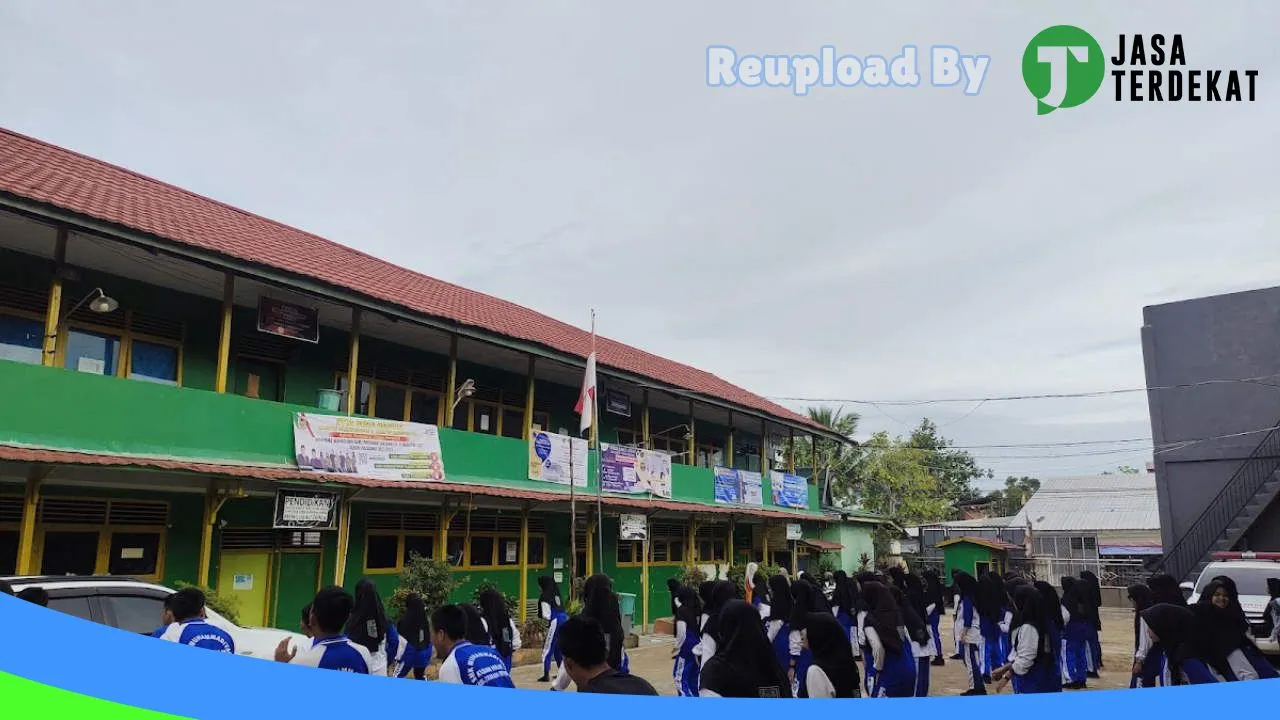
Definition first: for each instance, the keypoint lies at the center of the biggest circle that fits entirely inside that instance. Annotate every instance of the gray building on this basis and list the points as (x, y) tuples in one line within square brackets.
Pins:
[(1213, 373)]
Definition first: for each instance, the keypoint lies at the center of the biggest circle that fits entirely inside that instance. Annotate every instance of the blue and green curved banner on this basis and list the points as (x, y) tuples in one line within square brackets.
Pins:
[(57, 666)]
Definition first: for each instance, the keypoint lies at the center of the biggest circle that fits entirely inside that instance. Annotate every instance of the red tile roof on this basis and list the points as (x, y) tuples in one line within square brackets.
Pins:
[(251, 472), (48, 174)]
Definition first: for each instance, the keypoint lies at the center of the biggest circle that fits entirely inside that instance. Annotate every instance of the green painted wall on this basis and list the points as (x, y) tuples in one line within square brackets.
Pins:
[(965, 556), (199, 425), (856, 539)]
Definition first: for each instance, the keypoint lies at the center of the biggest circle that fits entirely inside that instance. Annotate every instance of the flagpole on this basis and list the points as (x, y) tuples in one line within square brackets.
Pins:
[(595, 434), (573, 525)]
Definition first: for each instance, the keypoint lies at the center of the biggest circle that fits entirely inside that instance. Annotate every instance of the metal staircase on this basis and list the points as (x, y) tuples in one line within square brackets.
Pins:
[(1229, 515)]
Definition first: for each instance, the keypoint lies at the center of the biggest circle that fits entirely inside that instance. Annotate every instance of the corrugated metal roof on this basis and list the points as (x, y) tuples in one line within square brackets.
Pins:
[(1105, 502), (995, 522)]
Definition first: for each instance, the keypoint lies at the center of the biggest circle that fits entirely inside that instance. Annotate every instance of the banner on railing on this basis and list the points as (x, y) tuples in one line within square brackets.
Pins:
[(367, 447), (556, 458), (789, 491), (634, 471)]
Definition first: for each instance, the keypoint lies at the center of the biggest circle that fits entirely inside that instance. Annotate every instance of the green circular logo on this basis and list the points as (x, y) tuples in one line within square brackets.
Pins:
[(1063, 67)]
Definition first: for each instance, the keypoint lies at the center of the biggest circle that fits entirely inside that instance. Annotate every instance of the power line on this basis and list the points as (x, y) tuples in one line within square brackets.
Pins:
[(1042, 396)]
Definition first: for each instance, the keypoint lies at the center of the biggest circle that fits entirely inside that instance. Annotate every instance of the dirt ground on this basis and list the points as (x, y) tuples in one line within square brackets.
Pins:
[(652, 660)]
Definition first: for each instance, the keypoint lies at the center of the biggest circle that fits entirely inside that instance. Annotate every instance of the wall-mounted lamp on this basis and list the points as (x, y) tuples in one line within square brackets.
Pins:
[(463, 391)]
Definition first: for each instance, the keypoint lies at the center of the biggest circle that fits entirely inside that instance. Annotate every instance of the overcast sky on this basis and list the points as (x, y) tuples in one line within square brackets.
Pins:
[(878, 244)]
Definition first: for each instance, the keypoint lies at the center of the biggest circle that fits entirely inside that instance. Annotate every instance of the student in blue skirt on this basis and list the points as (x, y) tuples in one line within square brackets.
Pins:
[(891, 655), (685, 665), (778, 619), (550, 609), (414, 654), (1075, 635), (1030, 665)]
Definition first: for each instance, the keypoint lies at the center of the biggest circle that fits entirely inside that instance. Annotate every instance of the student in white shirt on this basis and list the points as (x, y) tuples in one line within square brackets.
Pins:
[(329, 648), (368, 624), (498, 624), (833, 673)]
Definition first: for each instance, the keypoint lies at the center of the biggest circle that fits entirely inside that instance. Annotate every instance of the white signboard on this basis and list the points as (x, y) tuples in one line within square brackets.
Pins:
[(555, 458), (632, 527), (794, 531), (367, 447)]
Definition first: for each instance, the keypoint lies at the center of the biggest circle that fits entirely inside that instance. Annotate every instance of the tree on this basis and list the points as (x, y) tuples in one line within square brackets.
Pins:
[(836, 461), (1123, 470), (891, 480), (1016, 492), (955, 469)]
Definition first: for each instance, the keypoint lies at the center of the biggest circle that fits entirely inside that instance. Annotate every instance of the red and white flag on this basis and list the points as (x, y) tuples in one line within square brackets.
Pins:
[(587, 398)]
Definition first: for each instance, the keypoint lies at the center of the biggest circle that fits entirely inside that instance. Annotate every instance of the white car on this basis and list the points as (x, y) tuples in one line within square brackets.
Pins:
[(1251, 580), (135, 606)]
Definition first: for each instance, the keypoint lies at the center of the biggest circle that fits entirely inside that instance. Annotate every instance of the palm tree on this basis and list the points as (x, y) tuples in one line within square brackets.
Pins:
[(834, 461)]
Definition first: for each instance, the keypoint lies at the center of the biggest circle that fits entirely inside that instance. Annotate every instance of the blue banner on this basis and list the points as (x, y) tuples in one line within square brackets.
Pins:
[(728, 486), (789, 491)]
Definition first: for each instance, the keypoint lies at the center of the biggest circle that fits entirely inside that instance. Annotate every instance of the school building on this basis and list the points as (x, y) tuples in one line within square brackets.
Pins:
[(158, 348)]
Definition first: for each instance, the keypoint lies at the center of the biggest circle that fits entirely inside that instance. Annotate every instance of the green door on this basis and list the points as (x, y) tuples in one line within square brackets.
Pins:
[(296, 587)]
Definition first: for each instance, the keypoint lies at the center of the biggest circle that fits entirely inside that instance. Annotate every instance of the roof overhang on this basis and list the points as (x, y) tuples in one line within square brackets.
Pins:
[(292, 476), (46, 212)]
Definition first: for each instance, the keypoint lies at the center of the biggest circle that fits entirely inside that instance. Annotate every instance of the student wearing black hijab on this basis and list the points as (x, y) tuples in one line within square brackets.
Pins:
[(1092, 607), (778, 620), (673, 587), (891, 656), (1215, 611), (1261, 665), (935, 605), (803, 602), (969, 634), (367, 625), (1189, 651), (721, 592), (1051, 611), (502, 630), (919, 642), (704, 596), (1165, 590), (832, 674), (1147, 664), (1075, 635), (551, 610), (476, 633), (685, 664), (415, 636), (994, 619), (745, 665), (601, 604), (1030, 664), (760, 593), (844, 602)]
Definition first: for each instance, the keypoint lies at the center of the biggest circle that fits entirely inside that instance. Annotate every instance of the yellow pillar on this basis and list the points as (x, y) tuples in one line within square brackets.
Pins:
[(224, 334), (27, 531), (524, 560), (344, 541), (452, 382), (728, 444), (54, 310), (644, 419), (791, 451), (693, 439), (764, 444), (528, 405), (206, 538), (729, 545), (446, 519), (813, 461), (644, 578), (692, 542), (353, 365), (591, 533)]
